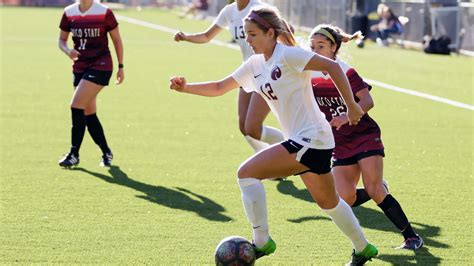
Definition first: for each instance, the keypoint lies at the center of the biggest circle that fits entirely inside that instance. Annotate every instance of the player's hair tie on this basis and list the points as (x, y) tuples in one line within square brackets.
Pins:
[(325, 33), (253, 16)]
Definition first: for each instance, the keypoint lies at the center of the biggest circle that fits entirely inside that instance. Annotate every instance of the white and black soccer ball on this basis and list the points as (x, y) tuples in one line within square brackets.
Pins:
[(235, 251)]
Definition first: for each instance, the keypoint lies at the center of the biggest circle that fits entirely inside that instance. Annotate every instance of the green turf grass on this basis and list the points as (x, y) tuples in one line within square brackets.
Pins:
[(172, 194)]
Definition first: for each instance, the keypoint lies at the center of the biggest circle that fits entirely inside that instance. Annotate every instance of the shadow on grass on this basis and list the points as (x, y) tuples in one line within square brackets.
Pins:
[(376, 220), (178, 198)]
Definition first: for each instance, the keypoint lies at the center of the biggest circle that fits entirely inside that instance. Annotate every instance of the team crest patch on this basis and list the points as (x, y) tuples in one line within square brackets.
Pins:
[(276, 73)]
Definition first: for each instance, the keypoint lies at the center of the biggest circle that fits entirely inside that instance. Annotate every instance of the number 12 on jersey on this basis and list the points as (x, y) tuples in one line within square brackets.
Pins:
[(268, 91)]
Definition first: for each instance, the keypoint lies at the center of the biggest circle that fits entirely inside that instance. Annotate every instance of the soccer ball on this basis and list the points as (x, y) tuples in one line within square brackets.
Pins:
[(235, 251)]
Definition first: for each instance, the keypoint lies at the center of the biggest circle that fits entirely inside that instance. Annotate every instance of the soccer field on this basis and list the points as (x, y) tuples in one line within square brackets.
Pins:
[(172, 195)]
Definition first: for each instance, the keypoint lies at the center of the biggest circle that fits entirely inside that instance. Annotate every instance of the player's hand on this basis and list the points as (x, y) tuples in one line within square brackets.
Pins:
[(120, 76), (354, 113), (339, 121), (73, 54), (180, 36), (177, 83)]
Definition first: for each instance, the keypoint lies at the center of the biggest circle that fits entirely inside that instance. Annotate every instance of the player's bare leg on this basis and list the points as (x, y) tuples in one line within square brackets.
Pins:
[(85, 92), (372, 175), (346, 178)]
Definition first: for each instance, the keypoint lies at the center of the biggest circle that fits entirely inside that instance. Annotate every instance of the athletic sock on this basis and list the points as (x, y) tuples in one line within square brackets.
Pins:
[(346, 221), (361, 197), (255, 206), (394, 212), (97, 132), (255, 144), (271, 135), (78, 129)]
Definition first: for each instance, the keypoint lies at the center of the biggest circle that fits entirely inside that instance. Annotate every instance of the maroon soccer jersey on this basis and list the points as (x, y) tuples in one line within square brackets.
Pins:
[(350, 140), (89, 33)]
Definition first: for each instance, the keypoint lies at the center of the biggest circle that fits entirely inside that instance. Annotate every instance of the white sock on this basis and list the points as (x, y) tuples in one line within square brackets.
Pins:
[(255, 206), (271, 135), (345, 219), (256, 144)]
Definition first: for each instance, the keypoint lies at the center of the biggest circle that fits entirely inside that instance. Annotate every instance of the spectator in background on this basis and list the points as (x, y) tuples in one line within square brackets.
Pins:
[(197, 7), (388, 24)]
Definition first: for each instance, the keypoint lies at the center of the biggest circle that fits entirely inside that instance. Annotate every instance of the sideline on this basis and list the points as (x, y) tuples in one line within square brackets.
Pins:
[(374, 82)]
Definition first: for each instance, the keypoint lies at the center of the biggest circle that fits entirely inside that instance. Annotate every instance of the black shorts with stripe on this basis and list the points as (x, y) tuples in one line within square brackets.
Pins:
[(99, 77), (318, 161), (356, 158)]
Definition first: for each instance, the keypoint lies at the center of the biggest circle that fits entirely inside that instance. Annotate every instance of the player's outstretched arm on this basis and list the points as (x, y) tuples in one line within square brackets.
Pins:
[(202, 37), (320, 63), (209, 89)]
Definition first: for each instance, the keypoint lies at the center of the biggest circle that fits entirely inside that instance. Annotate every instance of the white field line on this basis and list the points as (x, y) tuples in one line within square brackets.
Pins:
[(378, 83), (420, 94)]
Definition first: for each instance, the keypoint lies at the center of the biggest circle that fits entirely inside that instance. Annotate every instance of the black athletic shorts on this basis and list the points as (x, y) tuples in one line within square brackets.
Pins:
[(318, 161), (99, 77), (356, 158)]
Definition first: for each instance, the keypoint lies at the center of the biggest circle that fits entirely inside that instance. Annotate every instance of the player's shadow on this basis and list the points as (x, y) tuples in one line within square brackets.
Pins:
[(178, 198), (376, 220)]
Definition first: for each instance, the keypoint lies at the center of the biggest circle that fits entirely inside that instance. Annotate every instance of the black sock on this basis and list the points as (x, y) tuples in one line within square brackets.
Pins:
[(361, 197), (394, 212), (97, 132), (77, 130)]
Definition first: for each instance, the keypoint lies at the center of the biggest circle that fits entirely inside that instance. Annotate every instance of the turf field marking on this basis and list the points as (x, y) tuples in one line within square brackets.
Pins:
[(420, 94), (378, 83)]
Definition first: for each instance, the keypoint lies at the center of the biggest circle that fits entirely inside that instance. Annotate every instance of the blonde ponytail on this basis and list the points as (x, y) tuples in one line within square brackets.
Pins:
[(286, 35)]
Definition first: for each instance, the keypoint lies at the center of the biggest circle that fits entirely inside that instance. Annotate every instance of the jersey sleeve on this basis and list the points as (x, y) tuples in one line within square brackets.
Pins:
[(297, 58), (64, 24), (243, 76), (221, 19), (110, 21), (356, 82)]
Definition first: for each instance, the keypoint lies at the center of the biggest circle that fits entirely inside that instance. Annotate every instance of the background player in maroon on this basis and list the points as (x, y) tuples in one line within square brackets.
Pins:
[(89, 22), (359, 149)]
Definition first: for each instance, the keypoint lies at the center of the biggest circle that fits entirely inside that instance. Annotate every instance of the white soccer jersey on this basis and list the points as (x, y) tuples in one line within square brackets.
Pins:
[(287, 90), (233, 19)]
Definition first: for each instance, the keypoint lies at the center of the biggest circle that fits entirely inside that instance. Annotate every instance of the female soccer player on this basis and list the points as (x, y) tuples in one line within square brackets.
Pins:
[(89, 22), (359, 149), (280, 73), (252, 109)]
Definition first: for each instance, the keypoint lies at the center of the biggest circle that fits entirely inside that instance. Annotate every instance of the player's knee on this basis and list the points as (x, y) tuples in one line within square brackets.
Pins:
[(89, 110), (244, 171), (375, 189), (242, 127), (328, 202), (254, 130), (77, 104), (349, 197)]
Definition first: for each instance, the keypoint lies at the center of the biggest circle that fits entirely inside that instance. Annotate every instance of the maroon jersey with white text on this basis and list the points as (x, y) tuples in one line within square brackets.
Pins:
[(350, 140), (89, 33)]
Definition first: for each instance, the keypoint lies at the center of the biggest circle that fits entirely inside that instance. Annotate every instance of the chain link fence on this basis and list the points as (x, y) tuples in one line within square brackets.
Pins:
[(453, 18)]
